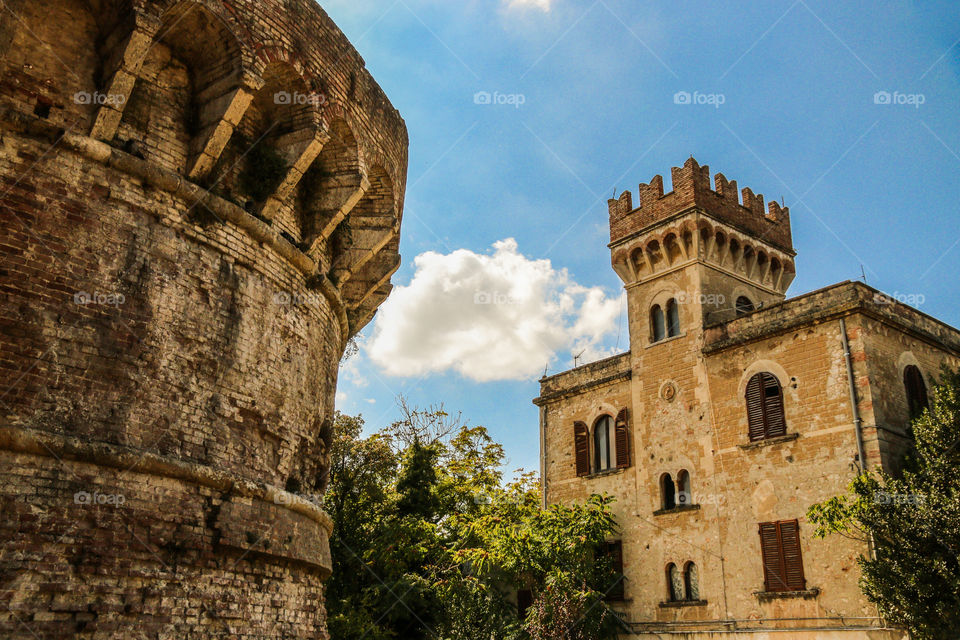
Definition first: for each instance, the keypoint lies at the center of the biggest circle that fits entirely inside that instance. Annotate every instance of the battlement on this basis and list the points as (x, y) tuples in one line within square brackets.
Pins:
[(691, 188)]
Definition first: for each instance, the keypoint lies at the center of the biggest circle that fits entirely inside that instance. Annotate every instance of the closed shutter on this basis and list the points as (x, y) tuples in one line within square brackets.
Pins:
[(581, 447), (622, 442), (773, 406), (782, 560), (773, 578), (755, 408), (792, 560)]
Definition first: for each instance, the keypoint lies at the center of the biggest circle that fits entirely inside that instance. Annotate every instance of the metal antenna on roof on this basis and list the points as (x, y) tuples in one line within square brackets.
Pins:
[(863, 274), (577, 357)]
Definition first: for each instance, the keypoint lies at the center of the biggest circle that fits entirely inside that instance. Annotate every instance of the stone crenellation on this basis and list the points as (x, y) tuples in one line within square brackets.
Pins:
[(691, 188), (201, 204)]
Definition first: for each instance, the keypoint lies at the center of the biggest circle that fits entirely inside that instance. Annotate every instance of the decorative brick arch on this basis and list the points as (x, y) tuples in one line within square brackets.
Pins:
[(770, 366)]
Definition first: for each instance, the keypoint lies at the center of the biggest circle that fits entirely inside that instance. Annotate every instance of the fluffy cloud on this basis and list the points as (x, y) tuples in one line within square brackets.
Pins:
[(524, 4), (498, 316)]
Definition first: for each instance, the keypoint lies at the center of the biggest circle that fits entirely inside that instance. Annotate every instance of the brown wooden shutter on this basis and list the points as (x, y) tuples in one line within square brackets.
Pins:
[(581, 448), (792, 560), (622, 441), (782, 560), (773, 406), (773, 579), (755, 408)]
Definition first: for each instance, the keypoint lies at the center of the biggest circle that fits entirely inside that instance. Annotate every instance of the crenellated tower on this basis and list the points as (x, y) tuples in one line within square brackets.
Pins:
[(705, 249)]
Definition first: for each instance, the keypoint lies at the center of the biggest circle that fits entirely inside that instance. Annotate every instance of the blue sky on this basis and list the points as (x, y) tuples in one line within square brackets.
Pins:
[(506, 270)]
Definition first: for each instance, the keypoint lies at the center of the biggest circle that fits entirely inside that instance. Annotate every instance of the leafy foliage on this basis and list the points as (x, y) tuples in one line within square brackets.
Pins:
[(913, 522), (430, 543)]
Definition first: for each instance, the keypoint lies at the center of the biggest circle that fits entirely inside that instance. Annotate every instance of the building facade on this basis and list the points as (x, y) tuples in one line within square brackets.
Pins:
[(201, 204), (734, 410)]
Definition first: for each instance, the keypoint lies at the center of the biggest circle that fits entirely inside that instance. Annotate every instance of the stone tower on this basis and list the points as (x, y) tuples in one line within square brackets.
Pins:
[(733, 411), (201, 203), (703, 243)]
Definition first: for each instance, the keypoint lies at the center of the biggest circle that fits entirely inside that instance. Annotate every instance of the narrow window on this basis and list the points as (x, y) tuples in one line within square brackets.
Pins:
[(657, 327), (765, 413), (916, 391), (691, 581), (669, 491), (673, 318), (674, 583), (601, 444), (614, 553), (684, 495), (744, 306), (780, 550), (581, 448)]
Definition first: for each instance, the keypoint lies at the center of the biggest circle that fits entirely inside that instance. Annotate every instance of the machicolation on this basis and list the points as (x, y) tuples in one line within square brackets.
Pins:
[(201, 204)]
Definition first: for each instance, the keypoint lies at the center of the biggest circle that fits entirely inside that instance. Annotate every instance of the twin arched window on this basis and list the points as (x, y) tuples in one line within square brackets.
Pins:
[(674, 494), (683, 585), (665, 324), (605, 447), (916, 391), (765, 413)]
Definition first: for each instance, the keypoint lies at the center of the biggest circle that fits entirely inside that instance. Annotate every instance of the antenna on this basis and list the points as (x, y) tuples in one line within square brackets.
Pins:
[(545, 369), (863, 274), (577, 357)]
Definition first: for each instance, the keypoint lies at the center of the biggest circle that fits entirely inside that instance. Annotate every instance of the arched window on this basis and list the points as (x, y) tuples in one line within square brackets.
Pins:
[(744, 306), (668, 491), (601, 445), (684, 492), (657, 326), (691, 582), (916, 391), (765, 407), (673, 318), (674, 583)]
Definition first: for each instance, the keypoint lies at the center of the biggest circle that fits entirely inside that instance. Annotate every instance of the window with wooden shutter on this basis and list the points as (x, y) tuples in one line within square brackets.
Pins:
[(765, 414), (622, 440), (614, 551), (782, 560), (581, 448)]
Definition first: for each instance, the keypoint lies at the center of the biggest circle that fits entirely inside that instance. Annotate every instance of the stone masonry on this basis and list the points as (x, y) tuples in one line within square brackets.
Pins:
[(201, 204), (722, 263)]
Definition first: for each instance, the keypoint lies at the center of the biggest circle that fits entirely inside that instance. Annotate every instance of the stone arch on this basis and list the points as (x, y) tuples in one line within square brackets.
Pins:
[(187, 95), (655, 255), (770, 366), (721, 247), (58, 83), (372, 244), (281, 126), (330, 189), (672, 249)]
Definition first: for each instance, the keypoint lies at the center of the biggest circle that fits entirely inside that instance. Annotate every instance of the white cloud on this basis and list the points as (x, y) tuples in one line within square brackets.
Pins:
[(498, 316), (543, 5)]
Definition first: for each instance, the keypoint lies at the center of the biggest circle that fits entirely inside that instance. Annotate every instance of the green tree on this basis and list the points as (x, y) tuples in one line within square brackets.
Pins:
[(913, 523)]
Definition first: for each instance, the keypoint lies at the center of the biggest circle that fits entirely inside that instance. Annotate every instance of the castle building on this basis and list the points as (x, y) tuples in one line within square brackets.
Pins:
[(734, 410), (200, 204)]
